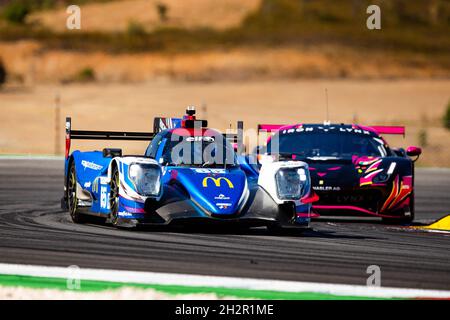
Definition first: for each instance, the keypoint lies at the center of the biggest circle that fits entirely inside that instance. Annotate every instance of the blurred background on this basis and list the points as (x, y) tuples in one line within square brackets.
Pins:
[(261, 61)]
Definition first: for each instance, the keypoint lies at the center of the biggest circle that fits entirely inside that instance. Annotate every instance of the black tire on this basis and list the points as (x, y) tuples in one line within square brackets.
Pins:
[(114, 198), (397, 221), (410, 219), (412, 204), (72, 200)]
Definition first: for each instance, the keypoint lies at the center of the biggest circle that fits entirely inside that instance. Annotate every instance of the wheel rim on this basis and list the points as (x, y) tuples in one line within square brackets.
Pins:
[(72, 192), (114, 197)]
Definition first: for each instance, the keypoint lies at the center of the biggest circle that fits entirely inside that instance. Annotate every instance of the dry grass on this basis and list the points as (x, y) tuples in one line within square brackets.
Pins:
[(133, 88), (116, 15), (27, 115), (33, 62)]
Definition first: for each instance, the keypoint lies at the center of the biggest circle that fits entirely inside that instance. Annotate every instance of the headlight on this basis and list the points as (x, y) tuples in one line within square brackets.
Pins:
[(384, 176), (290, 182), (381, 177), (146, 178)]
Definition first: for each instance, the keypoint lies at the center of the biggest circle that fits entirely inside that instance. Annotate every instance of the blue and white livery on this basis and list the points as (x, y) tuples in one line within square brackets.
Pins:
[(188, 173)]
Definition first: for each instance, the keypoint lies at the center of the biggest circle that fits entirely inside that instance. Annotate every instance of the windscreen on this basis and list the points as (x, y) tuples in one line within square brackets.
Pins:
[(327, 144), (199, 151)]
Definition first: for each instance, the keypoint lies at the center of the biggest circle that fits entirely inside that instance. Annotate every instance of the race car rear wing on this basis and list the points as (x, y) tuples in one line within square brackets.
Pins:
[(162, 123), (159, 124), (400, 130), (389, 129), (102, 135), (269, 127)]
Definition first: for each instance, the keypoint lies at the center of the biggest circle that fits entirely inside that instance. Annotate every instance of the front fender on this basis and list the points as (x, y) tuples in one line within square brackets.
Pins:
[(89, 166)]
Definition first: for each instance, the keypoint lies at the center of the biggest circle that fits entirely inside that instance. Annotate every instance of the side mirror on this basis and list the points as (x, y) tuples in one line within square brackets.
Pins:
[(399, 152), (112, 152), (414, 151)]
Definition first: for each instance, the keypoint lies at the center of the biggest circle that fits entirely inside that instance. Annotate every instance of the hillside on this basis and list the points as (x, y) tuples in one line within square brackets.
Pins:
[(113, 16), (212, 40)]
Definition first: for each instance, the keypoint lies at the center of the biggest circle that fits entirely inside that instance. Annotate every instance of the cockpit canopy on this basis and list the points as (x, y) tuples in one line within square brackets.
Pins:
[(192, 147)]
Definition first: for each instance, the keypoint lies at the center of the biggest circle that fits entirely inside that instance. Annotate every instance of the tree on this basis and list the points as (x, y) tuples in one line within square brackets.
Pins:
[(162, 11), (16, 12), (135, 29), (433, 11), (2, 73), (447, 117)]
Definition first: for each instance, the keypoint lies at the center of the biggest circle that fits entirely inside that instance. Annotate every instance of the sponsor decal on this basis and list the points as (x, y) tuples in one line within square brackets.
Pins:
[(91, 165), (217, 182), (87, 184), (213, 171), (301, 129), (326, 188), (354, 130), (125, 214), (349, 198), (223, 205), (104, 195), (221, 197), (200, 138)]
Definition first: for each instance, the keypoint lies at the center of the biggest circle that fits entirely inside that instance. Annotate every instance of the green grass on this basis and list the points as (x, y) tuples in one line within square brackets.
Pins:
[(97, 286)]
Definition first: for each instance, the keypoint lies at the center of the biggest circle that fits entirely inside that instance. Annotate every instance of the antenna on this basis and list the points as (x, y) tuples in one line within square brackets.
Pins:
[(204, 108), (226, 151), (327, 119)]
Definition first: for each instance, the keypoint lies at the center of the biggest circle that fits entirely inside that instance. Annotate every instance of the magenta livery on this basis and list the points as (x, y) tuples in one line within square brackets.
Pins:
[(353, 169)]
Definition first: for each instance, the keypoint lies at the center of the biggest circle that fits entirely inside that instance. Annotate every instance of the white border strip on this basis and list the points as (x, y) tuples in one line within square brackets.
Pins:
[(157, 278), (434, 230)]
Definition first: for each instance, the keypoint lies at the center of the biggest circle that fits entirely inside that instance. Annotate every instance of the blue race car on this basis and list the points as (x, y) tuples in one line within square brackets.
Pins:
[(187, 173)]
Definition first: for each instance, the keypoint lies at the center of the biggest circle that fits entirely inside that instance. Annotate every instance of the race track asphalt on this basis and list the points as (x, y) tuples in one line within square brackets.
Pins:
[(34, 230)]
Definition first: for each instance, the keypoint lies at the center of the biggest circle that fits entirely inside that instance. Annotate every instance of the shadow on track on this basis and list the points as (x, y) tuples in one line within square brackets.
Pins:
[(351, 220), (229, 229)]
